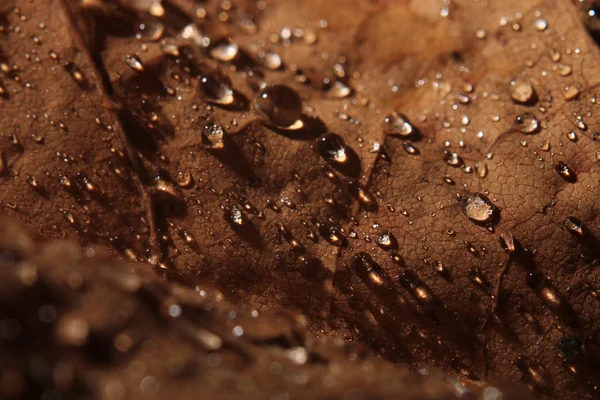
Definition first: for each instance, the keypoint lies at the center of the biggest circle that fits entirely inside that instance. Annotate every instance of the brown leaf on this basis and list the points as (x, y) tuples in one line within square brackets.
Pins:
[(462, 231), (165, 340)]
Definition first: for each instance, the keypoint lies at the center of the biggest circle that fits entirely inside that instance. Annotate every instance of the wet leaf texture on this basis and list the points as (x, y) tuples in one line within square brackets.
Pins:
[(417, 176)]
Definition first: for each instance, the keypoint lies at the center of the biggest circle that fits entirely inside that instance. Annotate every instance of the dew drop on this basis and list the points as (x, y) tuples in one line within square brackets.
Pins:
[(184, 179), (566, 172), (571, 93), (235, 217), (224, 51), (332, 148), (572, 136), (574, 225), (280, 105), (564, 69), (75, 72), (339, 90), (397, 124), (386, 240), (216, 87), (134, 62), (212, 136), (410, 148), (272, 61), (452, 159), (540, 24), (479, 208), (521, 91), (527, 123)]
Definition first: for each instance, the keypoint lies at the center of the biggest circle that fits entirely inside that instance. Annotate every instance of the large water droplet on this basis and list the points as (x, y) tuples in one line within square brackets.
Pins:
[(216, 87), (279, 104), (479, 208)]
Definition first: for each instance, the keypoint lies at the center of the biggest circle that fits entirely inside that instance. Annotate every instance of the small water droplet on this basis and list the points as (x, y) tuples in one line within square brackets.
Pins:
[(279, 104), (212, 136), (75, 72), (574, 225), (235, 217), (410, 148), (507, 241), (566, 172), (527, 123), (134, 62), (397, 124), (151, 30), (572, 136), (339, 90), (386, 240), (184, 179), (452, 159), (564, 69)]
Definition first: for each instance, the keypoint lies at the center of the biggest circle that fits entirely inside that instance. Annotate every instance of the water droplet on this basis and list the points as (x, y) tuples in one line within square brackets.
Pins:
[(574, 225), (535, 373), (212, 136), (410, 148), (272, 61), (75, 72), (365, 197), (482, 170), (332, 234), (527, 123), (279, 104), (540, 24), (184, 179), (235, 217), (191, 32), (150, 31), (134, 62), (507, 241), (397, 124), (571, 93), (332, 148), (452, 159), (386, 240), (566, 172), (521, 91), (216, 87), (477, 207), (572, 136), (480, 34), (224, 51), (170, 49), (339, 90), (564, 69)]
